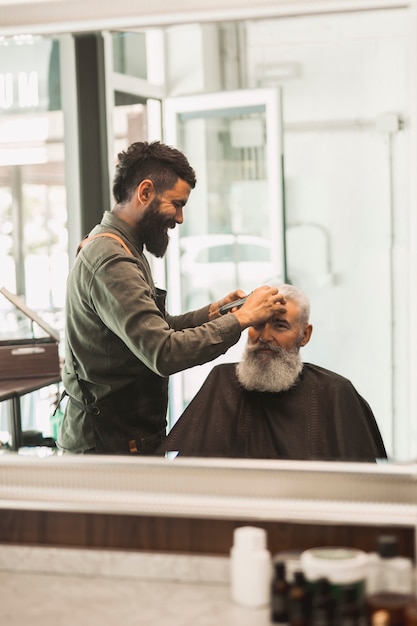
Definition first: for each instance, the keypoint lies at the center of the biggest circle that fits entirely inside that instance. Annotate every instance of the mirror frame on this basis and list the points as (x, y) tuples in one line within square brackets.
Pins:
[(292, 491), (59, 16)]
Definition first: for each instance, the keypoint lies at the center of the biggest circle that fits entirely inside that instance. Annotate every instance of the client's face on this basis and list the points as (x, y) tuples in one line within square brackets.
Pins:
[(271, 361), (282, 330)]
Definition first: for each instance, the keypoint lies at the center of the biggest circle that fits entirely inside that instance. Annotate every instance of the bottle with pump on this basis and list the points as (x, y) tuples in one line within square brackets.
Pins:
[(279, 594), (250, 567), (389, 588)]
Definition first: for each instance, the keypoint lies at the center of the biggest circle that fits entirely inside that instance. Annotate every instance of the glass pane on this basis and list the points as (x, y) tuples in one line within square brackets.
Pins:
[(33, 202), (33, 233), (225, 241), (45, 241), (231, 236), (129, 54), (129, 125)]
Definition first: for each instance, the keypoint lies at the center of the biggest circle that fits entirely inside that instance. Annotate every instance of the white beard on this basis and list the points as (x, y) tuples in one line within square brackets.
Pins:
[(274, 371)]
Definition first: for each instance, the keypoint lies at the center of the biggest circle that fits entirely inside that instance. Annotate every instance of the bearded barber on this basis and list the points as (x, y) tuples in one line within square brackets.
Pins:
[(121, 343)]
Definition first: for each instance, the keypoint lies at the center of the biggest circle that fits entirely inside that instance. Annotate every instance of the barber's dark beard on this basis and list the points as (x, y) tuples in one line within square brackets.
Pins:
[(153, 229), (277, 370)]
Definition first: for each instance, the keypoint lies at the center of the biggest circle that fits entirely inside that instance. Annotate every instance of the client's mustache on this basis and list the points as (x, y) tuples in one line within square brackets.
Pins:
[(261, 346)]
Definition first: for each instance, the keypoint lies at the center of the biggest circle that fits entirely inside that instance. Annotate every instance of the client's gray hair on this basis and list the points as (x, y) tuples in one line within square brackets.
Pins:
[(293, 293)]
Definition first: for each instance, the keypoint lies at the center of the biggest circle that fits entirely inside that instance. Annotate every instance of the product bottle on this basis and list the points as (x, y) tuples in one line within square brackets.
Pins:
[(387, 569), (250, 567), (279, 594), (391, 583), (299, 601), (349, 608), (322, 604)]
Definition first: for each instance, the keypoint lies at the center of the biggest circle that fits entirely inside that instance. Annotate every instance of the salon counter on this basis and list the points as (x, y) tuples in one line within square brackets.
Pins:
[(45, 586), (146, 540)]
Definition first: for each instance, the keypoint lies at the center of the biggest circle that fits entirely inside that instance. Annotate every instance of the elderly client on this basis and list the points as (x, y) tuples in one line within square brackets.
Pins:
[(272, 405)]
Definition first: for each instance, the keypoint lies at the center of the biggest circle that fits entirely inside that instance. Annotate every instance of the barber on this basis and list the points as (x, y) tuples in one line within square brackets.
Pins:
[(121, 343)]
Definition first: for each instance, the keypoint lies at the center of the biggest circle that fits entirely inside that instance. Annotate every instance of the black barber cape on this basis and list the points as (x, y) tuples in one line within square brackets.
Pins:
[(321, 418)]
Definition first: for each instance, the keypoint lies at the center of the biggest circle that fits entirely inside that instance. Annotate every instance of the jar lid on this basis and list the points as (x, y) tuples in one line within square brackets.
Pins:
[(338, 564)]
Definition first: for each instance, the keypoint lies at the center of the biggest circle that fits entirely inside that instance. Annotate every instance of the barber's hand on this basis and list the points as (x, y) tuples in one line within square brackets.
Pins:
[(260, 306), (231, 297)]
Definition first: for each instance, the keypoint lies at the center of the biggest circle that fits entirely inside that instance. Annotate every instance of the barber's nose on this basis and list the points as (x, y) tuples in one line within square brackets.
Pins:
[(179, 216)]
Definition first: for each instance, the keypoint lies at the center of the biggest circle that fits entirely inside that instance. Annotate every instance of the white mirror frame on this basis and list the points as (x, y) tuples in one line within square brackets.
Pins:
[(291, 491), (63, 16)]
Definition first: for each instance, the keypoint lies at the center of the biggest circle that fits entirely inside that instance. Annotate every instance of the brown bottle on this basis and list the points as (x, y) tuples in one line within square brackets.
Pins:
[(387, 602), (279, 595), (298, 601), (387, 608)]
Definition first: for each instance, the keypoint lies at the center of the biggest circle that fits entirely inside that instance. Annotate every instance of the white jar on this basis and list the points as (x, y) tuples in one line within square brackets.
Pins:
[(250, 567), (343, 567)]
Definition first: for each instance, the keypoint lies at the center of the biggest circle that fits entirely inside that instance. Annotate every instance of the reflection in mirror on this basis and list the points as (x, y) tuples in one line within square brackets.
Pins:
[(345, 80)]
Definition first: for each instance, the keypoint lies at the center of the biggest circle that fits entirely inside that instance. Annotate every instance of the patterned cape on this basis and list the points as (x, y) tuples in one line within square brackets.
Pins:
[(322, 417)]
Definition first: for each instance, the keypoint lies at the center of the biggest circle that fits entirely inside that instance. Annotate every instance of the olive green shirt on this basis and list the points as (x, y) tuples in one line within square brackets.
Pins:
[(114, 329)]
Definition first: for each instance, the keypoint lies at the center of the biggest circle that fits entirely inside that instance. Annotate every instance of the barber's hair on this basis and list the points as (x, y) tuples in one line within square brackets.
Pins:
[(298, 296), (161, 164)]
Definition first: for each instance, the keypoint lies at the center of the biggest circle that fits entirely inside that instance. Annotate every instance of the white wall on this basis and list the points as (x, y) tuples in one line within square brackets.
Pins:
[(349, 176)]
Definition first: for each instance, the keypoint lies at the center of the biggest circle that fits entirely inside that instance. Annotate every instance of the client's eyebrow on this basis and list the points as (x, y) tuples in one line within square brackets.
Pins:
[(279, 321)]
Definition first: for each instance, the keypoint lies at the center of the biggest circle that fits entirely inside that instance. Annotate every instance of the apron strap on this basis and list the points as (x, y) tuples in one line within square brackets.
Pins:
[(111, 235)]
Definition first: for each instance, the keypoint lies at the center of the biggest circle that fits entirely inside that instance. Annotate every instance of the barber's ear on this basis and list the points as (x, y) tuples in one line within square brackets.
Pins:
[(145, 191), (306, 335)]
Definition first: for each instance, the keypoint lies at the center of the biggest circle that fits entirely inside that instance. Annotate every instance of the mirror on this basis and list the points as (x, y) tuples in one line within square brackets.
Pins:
[(347, 115)]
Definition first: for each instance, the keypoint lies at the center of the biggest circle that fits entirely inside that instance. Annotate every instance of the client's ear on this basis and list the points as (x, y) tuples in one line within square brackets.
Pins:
[(306, 335)]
